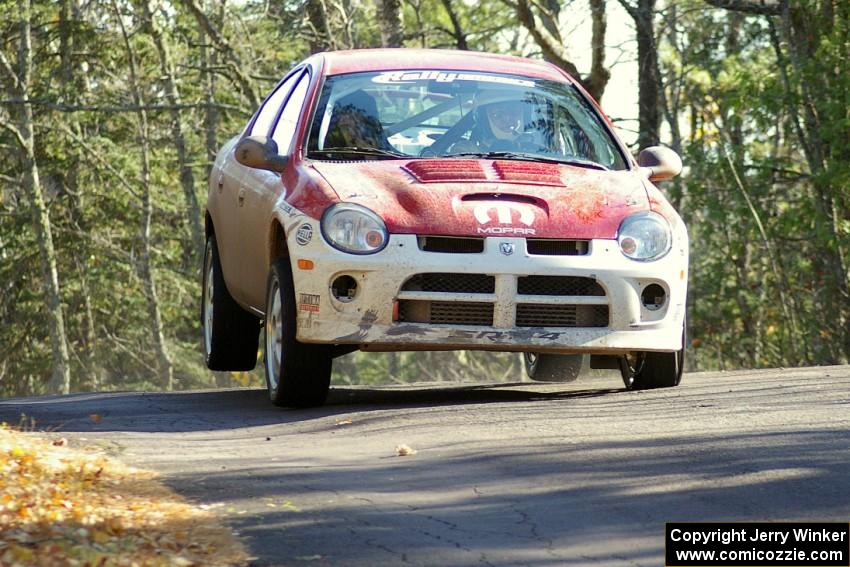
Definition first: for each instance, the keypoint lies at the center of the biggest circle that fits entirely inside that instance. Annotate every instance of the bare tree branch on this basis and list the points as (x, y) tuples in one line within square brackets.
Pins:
[(222, 44), (458, 34), (7, 67), (762, 7), (125, 108), (15, 132), (552, 50)]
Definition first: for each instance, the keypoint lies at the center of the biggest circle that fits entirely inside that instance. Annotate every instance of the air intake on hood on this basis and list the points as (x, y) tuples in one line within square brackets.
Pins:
[(443, 170), (528, 172)]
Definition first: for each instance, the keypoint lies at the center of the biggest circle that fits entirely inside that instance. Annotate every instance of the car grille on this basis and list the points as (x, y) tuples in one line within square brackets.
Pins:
[(536, 315), (451, 283), (540, 247), (446, 312), (451, 245), (454, 306), (558, 285)]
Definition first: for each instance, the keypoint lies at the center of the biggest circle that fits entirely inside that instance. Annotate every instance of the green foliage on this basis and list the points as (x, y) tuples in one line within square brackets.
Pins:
[(763, 108)]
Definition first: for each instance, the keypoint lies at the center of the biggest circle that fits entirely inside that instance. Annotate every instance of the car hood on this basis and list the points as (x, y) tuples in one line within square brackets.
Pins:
[(455, 197)]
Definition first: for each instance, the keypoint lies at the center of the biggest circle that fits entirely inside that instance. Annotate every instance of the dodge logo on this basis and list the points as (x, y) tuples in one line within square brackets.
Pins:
[(504, 214), (506, 248)]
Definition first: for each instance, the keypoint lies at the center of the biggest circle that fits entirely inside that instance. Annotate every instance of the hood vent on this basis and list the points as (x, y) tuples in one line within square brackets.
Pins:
[(528, 172), (446, 170), (454, 170)]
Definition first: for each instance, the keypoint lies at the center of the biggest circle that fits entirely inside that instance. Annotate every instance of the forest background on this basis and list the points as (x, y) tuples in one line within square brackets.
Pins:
[(111, 112)]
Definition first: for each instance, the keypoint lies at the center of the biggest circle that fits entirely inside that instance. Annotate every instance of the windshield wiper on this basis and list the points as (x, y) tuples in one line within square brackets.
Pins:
[(357, 151), (531, 157)]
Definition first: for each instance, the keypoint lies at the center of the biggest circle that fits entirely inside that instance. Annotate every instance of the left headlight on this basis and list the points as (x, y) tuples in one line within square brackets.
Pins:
[(645, 236), (354, 229)]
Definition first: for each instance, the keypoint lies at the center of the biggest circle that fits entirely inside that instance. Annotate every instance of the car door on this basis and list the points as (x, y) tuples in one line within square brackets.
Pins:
[(260, 191), (232, 190)]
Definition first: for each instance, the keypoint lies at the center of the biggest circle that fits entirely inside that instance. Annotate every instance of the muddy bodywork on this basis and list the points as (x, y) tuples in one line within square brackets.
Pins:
[(512, 295)]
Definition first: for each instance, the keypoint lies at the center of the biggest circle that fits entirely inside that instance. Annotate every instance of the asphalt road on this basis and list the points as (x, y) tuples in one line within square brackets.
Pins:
[(505, 474)]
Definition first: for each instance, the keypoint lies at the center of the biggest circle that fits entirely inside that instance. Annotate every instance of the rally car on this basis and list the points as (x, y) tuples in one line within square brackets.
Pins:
[(389, 200)]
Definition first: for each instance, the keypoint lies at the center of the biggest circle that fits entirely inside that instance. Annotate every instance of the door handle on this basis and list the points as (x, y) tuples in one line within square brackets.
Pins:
[(241, 197)]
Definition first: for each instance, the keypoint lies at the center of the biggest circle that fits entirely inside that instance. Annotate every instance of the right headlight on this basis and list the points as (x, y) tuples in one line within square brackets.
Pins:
[(645, 236), (354, 229)]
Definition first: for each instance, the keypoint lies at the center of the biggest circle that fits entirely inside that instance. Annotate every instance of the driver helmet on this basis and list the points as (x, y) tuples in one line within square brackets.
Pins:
[(502, 112)]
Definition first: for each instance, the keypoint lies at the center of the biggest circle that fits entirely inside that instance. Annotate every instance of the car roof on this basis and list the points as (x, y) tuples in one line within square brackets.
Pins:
[(364, 60)]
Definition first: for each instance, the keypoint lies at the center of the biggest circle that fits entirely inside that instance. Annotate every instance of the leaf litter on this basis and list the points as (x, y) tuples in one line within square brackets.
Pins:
[(63, 506)]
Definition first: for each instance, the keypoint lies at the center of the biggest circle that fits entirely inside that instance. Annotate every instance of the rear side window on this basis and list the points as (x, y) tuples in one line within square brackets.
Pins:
[(284, 131), (271, 106)]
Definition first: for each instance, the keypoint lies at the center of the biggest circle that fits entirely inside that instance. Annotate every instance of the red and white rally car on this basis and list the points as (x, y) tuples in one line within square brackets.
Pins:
[(429, 200)]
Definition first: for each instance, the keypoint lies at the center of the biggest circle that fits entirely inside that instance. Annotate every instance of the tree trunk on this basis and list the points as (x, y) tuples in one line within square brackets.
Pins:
[(599, 75), (803, 26), (19, 85), (145, 263), (319, 33), (209, 60), (390, 22), (71, 89), (649, 107), (187, 178)]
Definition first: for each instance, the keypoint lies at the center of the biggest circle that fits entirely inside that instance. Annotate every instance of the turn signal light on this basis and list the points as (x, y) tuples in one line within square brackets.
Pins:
[(305, 264)]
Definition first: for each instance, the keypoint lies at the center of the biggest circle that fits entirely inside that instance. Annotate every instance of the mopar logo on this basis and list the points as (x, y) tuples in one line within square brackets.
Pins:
[(506, 248), (503, 213)]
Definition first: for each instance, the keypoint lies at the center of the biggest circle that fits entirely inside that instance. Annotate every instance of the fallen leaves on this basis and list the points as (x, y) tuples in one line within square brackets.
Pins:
[(62, 506), (404, 450)]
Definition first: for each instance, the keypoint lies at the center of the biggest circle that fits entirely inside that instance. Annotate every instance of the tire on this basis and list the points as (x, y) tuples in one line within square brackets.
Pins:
[(552, 367), (297, 374), (650, 370), (230, 334)]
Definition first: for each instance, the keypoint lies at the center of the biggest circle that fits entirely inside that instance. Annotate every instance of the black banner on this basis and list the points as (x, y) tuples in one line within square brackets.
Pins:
[(739, 544)]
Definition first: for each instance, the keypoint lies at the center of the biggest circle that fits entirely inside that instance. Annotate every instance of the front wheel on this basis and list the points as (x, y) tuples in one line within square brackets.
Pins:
[(650, 370), (545, 367), (297, 374)]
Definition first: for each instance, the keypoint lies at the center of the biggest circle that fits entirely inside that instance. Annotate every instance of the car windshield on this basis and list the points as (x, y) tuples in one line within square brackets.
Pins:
[(401, 114)]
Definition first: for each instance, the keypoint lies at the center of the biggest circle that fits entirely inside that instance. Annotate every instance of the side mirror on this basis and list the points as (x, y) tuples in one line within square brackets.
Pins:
[(660, 163), (260, 152)]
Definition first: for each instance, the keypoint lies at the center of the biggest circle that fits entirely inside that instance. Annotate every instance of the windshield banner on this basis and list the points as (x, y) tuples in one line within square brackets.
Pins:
[(399, 77)]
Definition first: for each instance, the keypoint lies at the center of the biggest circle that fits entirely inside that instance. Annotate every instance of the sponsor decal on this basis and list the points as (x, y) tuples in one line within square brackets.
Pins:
[(304, 234), (503, 213), (402, 77), (504, 336), (287, 208), (308, 302), (506, 248)]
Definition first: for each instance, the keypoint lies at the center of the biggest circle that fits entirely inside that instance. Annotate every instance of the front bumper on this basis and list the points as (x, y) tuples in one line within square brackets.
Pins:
[(371, 318)]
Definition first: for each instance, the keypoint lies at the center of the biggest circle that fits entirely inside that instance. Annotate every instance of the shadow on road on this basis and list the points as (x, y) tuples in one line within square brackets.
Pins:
[(230, 409), (515, 504)]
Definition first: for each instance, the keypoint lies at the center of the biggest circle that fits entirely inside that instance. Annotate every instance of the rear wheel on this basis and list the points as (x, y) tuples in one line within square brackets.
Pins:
[(545, 367), (231, 334), (297, 374), (649, 370)]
